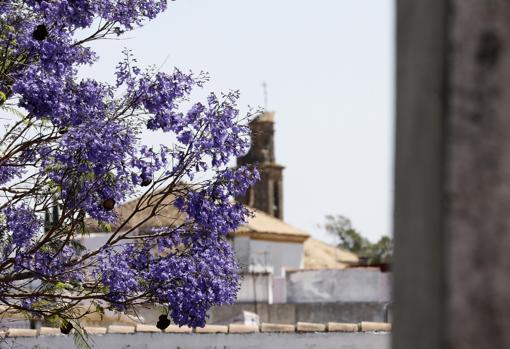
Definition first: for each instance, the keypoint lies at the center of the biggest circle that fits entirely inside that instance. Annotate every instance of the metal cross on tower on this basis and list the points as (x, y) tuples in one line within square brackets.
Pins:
[(264, 86)]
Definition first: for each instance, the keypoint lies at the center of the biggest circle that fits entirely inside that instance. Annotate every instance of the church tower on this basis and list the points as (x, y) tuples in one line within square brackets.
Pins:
[(267, 194)]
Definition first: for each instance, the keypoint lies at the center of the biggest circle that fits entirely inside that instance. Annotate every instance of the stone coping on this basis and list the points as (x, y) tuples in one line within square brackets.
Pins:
[(366, 326), (121, 329), (363, 326), (241, 328), (268, 327), (212, 329), (310, 327), (177, 329)]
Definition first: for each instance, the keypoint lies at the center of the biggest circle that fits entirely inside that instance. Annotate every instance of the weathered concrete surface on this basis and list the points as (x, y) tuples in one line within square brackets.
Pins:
[(277, 313), (452, 265), (419, 266), (342, 312), (256, 287), (478, 180), (310, 312), (335, 340), (291, 313), (338, 285)]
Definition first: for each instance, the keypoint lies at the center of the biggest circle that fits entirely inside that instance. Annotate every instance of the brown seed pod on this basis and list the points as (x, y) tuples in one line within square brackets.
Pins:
[(40, 33), (109, 204), (66, 329), (163, 322), (145, 181)]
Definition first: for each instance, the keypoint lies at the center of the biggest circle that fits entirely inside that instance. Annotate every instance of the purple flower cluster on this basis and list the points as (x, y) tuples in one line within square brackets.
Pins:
[(188, 283), (212, 210), (89, 166), (81, 14), (194, 267), (21, 224), (78, 147), (54, 263), (7, 173)]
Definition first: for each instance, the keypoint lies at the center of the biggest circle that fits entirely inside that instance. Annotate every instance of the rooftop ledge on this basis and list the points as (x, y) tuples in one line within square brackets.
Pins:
[(363, 326)]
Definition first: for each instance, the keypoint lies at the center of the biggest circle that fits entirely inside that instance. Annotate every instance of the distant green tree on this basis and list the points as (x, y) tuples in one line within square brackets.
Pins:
[(352, 240), (381, 251)]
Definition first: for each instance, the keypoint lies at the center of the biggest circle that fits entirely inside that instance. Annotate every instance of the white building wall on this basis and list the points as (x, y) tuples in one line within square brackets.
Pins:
[(276, 256), (256, 287), (241, 246), (338, 285), (93, 241), (279, 290)]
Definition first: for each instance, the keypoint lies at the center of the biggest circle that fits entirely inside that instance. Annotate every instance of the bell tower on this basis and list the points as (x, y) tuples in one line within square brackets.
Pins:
[(267, 194)]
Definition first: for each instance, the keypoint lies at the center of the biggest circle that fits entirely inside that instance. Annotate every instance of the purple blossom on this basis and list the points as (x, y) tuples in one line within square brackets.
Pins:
[(189, 284), (86, 156), (22, 223), (7, 173)]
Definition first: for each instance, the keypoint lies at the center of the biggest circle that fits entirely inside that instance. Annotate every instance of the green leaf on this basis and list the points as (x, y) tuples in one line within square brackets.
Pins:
[(60, 286), (99, 308), (105, 226), (81, 339)]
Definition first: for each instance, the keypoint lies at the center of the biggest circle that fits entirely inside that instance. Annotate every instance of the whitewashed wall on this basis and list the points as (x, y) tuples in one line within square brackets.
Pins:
[(256, 287), (331, 340), (276, 256), (93, 241), (338, 285)]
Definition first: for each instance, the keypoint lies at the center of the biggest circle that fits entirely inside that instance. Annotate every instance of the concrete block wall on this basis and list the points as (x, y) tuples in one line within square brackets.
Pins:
[(307, 312), (290, 313), (366, 335), (338, 285)]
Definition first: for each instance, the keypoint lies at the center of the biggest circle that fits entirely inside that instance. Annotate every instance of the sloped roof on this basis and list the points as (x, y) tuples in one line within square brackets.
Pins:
[(265, 227), (320, 255), (166, 215), (261, 226)]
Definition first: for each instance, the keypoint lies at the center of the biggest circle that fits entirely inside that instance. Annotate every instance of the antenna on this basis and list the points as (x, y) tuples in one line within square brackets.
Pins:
[(264, 86)]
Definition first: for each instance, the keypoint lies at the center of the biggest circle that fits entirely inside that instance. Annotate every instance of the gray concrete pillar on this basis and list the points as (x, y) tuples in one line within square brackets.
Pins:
[(452, 196)]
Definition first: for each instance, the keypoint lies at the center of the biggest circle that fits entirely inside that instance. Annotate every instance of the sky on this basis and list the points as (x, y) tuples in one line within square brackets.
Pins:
[(329, 69)]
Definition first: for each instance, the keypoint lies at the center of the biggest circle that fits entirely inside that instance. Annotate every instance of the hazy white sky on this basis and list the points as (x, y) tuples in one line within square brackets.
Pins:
[(329, 69)]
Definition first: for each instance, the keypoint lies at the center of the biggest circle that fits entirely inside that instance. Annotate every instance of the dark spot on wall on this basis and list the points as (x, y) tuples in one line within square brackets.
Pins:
[(476, 117), (489, 50)]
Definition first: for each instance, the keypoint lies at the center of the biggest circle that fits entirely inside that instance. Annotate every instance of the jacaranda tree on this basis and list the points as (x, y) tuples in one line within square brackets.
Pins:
[(74, 146)]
